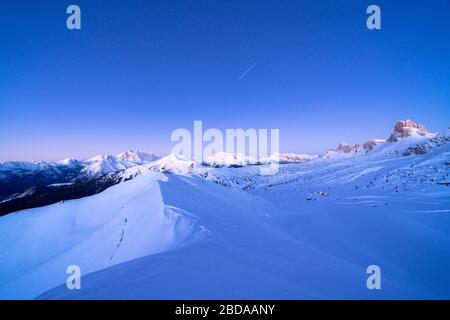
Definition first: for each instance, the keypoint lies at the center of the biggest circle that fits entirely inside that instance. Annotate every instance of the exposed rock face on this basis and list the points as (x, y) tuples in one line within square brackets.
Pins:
[(345, 148), (356, 148), (371, 144), (423, 148), (404, 129)]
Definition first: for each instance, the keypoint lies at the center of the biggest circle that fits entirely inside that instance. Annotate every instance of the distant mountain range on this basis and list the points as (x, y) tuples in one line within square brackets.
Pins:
[(158, 228), (30, 184)]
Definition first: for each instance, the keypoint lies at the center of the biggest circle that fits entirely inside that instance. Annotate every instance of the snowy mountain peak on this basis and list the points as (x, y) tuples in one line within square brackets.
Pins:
[(408, 128), (227, 159), (171, 164), (347, 150), (138, 157), (68, 161), (122, 161), (408, 132)]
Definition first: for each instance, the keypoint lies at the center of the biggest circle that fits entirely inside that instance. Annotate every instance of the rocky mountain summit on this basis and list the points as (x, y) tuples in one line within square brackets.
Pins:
[(408, 128)]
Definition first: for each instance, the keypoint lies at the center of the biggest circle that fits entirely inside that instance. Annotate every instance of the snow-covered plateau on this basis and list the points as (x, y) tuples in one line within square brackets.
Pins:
[(169, 228)]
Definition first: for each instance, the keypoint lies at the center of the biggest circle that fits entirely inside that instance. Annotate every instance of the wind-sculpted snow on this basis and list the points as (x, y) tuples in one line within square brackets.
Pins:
[(290, 241), (127, 221), (308, 232)]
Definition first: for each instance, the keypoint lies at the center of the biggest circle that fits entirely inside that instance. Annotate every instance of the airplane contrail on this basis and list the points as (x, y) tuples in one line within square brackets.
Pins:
[(247, 71)]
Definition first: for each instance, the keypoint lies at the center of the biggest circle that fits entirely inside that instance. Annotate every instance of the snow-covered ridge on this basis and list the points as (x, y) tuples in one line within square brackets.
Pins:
[(407, 132), (167, 164), (18, 177), (125, 222), (406, 135), (112, 163), (352, 202), (97, 165), (324, 211), (227, 159)]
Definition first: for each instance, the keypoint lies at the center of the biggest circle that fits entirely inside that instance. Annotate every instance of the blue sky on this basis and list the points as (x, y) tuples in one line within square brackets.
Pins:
[(140, 69)]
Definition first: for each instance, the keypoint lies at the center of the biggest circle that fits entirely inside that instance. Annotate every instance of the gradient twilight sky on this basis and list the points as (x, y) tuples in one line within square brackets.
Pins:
[(140, 69)]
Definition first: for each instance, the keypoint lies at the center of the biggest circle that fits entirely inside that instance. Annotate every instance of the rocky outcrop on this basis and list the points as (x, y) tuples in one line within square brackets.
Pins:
[(345, 148), (358, 148), (371, 144), (405, 129), (429, 145)]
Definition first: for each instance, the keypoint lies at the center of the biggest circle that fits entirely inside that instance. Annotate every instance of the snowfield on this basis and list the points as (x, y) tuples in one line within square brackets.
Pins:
[(175, 229), (124, 222), (276, 244)]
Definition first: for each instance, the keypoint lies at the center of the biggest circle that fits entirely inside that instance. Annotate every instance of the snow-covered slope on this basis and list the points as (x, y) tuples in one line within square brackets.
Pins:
[(17, 176), (226, 159), (405, 133), (127, 221), (292, 240), (309, 231)]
